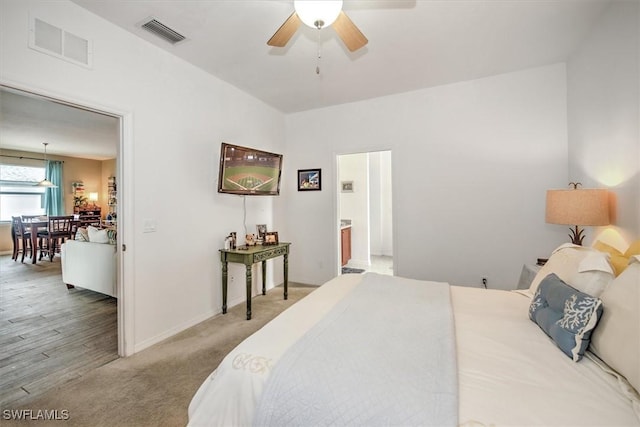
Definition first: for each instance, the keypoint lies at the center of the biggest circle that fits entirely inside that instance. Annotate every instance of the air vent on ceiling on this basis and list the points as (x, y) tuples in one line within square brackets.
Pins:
[(164, 32)]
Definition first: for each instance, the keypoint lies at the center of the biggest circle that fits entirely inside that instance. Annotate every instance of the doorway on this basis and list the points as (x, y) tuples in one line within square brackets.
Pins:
[(53, 108), (365, 212)]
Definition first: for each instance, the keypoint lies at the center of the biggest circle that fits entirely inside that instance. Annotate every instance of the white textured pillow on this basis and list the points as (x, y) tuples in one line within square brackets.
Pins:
[(594, 274), (616, 339), (583, 268), (97, 235), (592, 282)]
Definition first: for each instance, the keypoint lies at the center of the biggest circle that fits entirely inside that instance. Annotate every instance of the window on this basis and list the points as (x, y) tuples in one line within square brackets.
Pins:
[(18, 192)]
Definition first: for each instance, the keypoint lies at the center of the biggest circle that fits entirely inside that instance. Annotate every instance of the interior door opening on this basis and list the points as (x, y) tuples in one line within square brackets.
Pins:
[(57, 108), (365, 213)]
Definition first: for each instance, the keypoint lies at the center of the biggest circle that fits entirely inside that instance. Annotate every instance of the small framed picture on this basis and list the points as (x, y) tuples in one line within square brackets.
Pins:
[(262, 229), (270, 238), (347, 186), (309, 179)]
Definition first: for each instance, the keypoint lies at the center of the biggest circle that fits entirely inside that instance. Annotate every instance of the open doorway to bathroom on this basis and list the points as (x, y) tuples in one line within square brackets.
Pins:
[(364, 212)]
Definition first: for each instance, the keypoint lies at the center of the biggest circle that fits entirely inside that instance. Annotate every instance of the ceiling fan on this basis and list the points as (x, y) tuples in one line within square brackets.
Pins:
[(320, 14)]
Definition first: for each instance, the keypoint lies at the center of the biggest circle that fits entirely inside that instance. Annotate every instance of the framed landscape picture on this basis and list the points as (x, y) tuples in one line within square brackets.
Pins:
[(309, 179)]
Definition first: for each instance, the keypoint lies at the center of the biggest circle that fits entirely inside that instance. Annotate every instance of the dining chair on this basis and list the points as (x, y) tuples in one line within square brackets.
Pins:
[(58, 230), (21, 239)]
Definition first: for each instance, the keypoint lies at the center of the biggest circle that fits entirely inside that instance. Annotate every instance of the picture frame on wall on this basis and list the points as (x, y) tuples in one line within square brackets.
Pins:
[(309, 179)]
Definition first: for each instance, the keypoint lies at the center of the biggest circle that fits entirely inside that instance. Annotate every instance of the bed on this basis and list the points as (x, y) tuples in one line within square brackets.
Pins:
[(505, 369)]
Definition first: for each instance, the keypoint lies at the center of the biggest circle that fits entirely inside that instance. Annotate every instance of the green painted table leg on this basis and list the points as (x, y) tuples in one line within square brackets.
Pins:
[(248, 292), (286, 275), (264, 277), (225, 276)]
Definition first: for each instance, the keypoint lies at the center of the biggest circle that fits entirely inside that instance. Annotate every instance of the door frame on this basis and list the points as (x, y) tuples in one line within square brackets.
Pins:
[(124, 177), (336, 206)]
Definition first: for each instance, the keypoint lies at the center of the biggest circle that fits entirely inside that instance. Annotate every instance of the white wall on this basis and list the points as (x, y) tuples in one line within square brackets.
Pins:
[(355, 205), (180, 115), (471, 164), (603, 120)]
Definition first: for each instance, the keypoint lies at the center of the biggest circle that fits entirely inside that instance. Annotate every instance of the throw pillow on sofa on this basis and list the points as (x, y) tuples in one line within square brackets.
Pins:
[(97, 235), (82, 235)]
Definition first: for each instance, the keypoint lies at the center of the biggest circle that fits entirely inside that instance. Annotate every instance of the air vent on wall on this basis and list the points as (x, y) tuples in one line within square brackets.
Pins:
[(47, 38), (164, 32)]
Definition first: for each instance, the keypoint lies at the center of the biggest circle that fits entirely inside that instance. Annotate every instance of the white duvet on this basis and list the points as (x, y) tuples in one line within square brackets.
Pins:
[(509, 372)]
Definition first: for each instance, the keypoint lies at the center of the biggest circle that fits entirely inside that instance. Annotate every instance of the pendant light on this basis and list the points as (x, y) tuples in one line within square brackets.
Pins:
[(45, 182)]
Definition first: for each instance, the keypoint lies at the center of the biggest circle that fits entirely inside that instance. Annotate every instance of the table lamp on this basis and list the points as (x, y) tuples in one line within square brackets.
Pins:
[(93, 198), (577, 207)]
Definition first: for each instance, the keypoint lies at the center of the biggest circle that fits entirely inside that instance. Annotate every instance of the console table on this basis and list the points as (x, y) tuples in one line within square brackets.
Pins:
[(248, 257)]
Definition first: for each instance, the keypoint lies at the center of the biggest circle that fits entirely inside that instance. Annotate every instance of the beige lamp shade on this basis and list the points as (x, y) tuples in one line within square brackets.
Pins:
[(578, 207)]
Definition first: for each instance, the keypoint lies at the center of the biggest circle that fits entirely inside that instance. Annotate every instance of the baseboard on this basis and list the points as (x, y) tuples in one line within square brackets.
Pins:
[(192, 322), (6, 252), (173, 331)]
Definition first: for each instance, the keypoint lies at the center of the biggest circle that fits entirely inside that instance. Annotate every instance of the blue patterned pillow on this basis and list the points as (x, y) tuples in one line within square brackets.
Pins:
[(567, 315)]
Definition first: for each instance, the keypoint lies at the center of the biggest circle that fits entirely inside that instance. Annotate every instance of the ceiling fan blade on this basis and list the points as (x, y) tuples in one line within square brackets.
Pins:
[(349, 33), (281, 37)]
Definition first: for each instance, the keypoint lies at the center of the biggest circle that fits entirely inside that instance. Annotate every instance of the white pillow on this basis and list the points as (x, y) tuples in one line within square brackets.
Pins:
[(591, 282), (582, 268), (97, 235), (596, 261), (594, 274), (616, 339)]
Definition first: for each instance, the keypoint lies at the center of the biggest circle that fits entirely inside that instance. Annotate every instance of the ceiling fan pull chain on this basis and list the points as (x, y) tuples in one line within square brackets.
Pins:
[(319, 49)]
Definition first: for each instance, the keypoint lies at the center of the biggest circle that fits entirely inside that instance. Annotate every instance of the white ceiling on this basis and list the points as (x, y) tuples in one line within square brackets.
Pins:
[(27, 121), (413, 44)]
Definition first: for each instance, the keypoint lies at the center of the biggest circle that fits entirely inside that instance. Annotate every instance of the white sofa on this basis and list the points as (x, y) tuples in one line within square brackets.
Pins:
[(90, 266)]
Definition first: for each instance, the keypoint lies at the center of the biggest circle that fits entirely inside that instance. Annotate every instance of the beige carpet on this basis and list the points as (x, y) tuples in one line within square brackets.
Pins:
[(154, 387)]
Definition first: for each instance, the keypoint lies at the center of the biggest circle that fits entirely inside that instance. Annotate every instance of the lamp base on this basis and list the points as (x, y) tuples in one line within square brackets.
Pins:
[(577, 235)]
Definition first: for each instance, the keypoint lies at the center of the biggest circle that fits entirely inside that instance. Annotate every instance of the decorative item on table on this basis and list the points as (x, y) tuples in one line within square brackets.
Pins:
[(577, 207), (230, 241), (250, 239), (77, 188), (271, 238), (262, 229), (309, 179)]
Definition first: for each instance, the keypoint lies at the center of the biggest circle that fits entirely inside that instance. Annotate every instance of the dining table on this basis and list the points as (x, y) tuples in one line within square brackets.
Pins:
[(34, 225)]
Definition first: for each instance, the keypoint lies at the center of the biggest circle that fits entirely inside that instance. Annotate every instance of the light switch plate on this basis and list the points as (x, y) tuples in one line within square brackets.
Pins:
[(150, 225)]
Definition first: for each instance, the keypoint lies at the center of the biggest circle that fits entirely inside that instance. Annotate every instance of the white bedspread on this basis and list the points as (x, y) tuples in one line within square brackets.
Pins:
[(377, 379), (509, 372)]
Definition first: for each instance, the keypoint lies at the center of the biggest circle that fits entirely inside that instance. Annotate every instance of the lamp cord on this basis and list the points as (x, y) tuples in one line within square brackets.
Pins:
[(244, 215)]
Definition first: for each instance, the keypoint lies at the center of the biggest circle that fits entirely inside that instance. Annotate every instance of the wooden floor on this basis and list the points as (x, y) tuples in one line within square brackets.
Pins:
[(48, 334)]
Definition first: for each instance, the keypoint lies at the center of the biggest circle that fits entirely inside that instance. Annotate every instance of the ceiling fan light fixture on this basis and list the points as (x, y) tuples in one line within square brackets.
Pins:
[(318, 13)]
